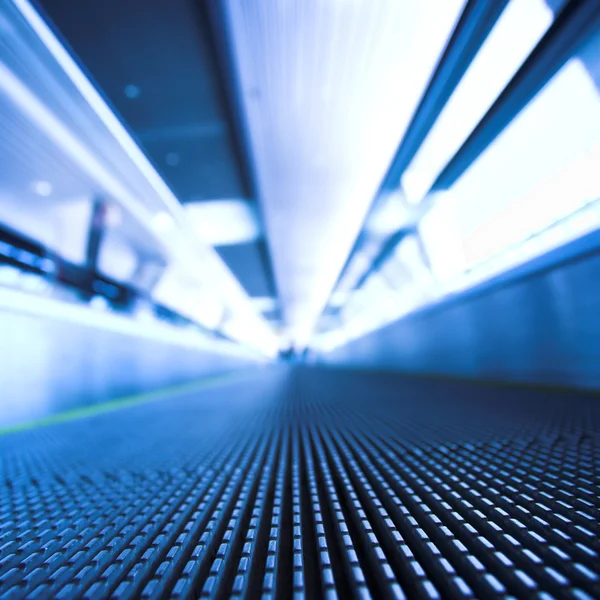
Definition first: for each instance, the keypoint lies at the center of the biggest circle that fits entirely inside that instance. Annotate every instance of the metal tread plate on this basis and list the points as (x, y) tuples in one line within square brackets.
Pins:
[(309, 483)]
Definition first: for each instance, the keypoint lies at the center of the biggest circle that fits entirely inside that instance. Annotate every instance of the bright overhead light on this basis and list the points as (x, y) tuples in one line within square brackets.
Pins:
[(136, 199), (47, 122), (42, 188), (248, 333), (265, 304), (519, 28), (99, 303), (322, 149), (225, 222), (441, 235), (96, 102), (132, 91), (23, 302), (390, 215), (338, 298), (415, 185), (162, 222)]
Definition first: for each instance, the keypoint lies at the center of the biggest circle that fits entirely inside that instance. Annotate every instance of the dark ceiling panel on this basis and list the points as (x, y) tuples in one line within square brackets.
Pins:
[(154, 62), (197, 169), (246, 260)]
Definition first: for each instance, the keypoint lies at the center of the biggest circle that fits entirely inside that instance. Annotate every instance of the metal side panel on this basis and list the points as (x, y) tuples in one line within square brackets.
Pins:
[(48, 366), (541, 328)]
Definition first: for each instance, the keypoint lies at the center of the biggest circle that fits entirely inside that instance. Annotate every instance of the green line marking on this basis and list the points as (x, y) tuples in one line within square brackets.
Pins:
[(125, 402)]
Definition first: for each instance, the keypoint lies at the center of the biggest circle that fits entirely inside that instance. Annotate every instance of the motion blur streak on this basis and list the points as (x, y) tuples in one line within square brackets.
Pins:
[(300, 299)]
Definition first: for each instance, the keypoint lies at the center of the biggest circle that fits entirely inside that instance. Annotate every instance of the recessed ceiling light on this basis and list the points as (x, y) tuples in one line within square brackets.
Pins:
[(172, 159), (162, 221), (42, 188), (132, 91), (225, 222), (99, 303)]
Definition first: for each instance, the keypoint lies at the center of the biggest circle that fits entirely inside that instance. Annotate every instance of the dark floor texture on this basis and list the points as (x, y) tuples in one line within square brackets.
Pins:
[(309, 483)]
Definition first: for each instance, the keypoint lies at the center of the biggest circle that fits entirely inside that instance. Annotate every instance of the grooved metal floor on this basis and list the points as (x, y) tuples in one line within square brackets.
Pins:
[(309, 483)]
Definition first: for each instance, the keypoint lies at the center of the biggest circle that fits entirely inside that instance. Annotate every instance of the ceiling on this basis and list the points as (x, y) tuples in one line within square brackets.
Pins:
[(259, 102), (158, 68), (45, 196), (275, 123), (327, 90)]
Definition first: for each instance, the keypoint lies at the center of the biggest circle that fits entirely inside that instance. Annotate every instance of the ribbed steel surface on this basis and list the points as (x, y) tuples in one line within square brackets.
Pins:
[(308, 483)]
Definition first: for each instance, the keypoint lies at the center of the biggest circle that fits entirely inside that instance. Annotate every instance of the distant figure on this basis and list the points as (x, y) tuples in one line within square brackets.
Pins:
[(287, 355)]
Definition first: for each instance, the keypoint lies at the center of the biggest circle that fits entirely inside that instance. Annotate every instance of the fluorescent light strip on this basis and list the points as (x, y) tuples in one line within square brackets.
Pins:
[(517, 31), (49, 308), (225, 222), (577, 224), (265, 303), (98, 105), (62, 136), (320, 143), (39, 114), (235, 294)]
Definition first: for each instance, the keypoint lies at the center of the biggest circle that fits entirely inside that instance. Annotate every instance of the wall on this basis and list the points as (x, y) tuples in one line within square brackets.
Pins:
[(539, 323), (49, 365)]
